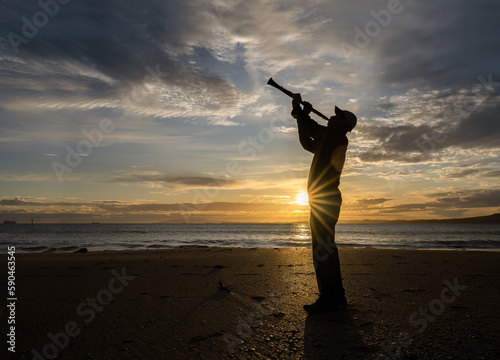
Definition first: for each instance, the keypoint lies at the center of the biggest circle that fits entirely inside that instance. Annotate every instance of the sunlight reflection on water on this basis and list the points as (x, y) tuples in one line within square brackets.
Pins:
[(302, 233), (71, 237)]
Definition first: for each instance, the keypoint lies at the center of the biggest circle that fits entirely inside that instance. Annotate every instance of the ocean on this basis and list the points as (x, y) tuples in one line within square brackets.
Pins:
[(71, 237)]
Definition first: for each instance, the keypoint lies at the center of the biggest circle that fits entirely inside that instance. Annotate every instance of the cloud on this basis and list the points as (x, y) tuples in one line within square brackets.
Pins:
[(469, 198), (461, 173), (394, 143), (186, 59), (443, 203), (494, 173), (15, 202), (479, 130), (184, 182), (448, 71), (130, 207), (421, 124), (451, 203), (20, 202), (369, 202), (437, 50), (452, 200), (120, 211), (118, 54)]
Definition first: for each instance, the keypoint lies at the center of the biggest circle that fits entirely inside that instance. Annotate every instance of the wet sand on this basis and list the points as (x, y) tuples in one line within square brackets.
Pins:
[(223, 303)]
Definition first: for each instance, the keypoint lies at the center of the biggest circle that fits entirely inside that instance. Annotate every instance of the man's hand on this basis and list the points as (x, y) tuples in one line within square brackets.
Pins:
[(307, 107), (296, 101)]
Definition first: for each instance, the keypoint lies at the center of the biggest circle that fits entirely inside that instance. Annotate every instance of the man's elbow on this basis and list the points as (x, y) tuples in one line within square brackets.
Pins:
[(307, 145), (296, 114)]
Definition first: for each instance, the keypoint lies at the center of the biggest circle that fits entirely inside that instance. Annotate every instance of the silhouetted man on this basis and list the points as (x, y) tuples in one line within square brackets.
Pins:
[(329, 146)]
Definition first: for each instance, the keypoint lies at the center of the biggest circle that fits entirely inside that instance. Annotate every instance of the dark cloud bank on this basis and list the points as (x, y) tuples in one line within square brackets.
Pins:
[(125, 41), (451, 51)]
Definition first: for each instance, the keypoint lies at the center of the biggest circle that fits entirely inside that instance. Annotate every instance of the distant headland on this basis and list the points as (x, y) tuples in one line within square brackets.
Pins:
[(488, 219)]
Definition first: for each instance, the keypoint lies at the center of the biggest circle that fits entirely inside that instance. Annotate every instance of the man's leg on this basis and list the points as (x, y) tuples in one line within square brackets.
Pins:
[(326, 261)]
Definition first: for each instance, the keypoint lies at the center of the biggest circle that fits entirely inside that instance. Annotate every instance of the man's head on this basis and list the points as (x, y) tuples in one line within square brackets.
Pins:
[(343, 120)]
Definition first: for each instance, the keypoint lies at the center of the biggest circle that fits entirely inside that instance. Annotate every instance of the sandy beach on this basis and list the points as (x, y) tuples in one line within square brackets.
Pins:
[(223, 303)]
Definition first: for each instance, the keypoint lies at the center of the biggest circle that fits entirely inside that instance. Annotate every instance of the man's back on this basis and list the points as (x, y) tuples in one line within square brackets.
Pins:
[(329, 147), (329, 158)]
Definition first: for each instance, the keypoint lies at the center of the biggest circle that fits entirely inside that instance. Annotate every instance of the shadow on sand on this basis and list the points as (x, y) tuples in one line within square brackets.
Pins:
[(334, 336)]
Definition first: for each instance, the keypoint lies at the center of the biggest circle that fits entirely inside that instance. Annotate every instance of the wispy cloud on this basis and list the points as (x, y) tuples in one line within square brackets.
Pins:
[(184, 182), (119, 211)]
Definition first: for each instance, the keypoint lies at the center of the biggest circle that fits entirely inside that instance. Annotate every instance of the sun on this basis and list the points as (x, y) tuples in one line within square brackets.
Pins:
[(302, 198)]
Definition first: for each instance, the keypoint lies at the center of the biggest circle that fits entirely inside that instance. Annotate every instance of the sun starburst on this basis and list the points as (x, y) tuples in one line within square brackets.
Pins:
[(302, 198)]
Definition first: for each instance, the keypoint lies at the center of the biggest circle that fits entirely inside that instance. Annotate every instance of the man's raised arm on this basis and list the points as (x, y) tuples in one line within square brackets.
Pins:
[(307, 126)]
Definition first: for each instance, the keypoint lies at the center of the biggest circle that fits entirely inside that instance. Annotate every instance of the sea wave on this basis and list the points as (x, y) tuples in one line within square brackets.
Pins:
[(71, 237)]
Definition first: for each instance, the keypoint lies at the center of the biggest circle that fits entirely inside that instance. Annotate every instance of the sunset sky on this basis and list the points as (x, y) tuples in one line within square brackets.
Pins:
[(152, 111)]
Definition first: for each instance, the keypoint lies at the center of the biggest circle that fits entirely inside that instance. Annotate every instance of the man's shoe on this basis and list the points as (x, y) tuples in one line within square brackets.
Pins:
[(321, 306)]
